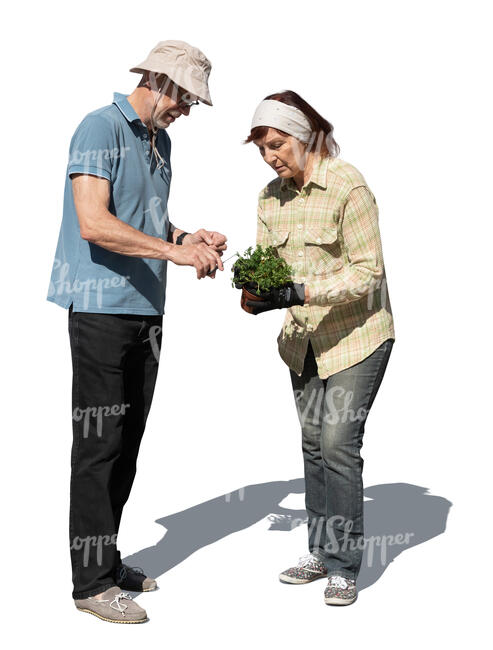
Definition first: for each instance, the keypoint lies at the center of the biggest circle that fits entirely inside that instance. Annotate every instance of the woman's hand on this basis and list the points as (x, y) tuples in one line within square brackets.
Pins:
[(287, 296)]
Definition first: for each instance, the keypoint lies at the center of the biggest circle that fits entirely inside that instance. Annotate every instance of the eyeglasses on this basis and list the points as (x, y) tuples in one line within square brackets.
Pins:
[(178, 91), (186, 104)]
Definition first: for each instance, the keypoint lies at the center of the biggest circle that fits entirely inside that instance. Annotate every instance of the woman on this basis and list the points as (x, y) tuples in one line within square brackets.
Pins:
[(322, 218)]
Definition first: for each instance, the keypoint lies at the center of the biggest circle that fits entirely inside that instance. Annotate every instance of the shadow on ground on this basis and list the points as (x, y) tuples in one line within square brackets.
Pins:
[(392, 509)]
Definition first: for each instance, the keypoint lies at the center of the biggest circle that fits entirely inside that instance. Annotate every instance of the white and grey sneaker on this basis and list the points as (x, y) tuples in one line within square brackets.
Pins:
[(115, 606), (340, 591), (309, 568)]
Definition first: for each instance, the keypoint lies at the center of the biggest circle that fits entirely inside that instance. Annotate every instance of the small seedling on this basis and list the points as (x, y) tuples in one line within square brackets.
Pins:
[(260, 270)]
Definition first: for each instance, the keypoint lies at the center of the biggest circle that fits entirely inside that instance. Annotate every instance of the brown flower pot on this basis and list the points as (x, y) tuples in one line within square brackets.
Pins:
[(246, 295)]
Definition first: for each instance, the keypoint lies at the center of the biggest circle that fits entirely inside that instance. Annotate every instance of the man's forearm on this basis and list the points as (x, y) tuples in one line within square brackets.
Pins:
[(117, 236), (174, 233)]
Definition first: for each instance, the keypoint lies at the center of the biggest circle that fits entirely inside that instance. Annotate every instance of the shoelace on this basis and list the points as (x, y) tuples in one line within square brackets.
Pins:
[(120, 607), (338, 581), (307, 559)]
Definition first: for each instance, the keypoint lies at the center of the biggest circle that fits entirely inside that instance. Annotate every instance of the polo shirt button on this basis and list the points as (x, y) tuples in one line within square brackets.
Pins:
[(309, 328), (300, 226), (301, 200), (300, 253)]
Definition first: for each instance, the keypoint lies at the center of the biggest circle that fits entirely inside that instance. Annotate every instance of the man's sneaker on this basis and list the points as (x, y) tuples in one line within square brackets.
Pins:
[(309, 568), (133, 579), (340, 591), (115, 606)]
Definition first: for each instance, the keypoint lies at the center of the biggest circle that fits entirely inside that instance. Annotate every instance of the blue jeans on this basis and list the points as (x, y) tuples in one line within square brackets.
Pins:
[(332, 414)]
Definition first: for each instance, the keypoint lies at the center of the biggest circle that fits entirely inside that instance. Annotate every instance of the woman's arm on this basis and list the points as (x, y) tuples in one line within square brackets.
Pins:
[(361, 239)]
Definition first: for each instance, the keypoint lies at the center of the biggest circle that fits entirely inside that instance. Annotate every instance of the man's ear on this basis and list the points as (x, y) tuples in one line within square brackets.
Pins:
[(157, 81), (152, 80)]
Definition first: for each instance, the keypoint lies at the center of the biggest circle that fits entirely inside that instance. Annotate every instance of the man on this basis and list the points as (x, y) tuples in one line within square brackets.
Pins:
[(110, 272)]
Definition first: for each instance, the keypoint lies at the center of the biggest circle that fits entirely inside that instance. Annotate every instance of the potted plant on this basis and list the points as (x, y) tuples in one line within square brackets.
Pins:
[(258, 271)]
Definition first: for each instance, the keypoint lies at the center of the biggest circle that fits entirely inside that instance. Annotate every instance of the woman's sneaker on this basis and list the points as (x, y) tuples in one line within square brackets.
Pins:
[(309, 568), (115, 606), (340, 591)]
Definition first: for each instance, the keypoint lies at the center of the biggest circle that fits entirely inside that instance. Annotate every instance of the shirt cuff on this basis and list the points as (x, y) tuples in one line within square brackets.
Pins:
[(84, 169)]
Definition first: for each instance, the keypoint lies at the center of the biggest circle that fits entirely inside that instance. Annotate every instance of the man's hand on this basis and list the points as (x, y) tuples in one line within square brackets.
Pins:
[(215, 240), (203, 257)]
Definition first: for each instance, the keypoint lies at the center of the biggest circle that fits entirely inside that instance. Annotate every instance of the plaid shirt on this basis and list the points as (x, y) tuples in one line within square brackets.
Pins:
[(328, 232)]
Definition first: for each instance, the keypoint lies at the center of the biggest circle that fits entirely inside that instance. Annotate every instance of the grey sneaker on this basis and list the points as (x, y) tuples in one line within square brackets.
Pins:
[(309, 568), (340, 591), (116, 606), (133, 579)]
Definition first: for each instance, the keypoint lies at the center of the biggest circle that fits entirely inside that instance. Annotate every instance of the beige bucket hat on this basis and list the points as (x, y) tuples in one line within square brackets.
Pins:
[(187, 66)]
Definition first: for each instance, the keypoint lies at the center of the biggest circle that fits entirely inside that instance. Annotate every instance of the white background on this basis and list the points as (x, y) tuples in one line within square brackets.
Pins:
[(406, 85)]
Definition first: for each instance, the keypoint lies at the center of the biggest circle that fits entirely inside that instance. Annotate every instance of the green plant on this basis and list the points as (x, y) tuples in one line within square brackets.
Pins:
[(261, 269)]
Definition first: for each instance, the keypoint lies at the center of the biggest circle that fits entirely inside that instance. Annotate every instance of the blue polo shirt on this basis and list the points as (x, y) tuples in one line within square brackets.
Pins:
[(113, 143)]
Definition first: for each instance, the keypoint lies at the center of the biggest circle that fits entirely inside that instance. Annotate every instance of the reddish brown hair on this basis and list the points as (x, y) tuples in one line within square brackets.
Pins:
[(321, 140)]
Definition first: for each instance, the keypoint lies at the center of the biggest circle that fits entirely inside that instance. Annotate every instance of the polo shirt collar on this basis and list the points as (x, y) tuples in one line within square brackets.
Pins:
[(317, 177), (125, 107)]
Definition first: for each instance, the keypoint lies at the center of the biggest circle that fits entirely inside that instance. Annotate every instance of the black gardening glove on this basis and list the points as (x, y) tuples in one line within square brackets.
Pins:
[(286, 296)]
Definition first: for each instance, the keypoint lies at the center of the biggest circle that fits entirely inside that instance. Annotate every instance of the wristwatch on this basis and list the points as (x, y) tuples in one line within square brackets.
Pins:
[(180, 238)]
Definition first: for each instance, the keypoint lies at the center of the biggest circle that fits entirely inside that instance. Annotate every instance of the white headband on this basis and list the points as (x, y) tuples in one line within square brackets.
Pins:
[(281, 116)]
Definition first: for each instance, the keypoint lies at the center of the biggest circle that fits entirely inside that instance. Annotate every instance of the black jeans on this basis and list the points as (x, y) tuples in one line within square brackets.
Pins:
[(333, 414), (115, 360)]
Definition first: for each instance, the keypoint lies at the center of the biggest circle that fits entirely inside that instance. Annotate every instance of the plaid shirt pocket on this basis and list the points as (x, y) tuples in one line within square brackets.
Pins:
[(278, 238), (323, 251)]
